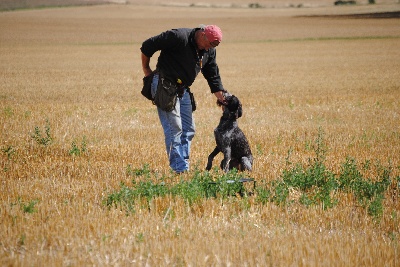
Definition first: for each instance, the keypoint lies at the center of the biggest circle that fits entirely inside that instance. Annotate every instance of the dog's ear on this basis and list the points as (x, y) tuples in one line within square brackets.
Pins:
[(232, 103), (237, 106), (239, 112)]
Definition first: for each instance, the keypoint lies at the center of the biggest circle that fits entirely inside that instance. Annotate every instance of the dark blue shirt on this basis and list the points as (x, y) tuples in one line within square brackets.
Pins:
[(179, 57)]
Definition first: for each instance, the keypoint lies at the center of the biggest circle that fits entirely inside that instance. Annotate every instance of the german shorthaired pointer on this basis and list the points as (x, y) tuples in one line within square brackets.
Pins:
[(230, 139)]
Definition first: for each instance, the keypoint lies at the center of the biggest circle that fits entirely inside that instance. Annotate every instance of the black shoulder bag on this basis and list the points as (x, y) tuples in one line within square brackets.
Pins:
[(146, 90), (166, 94)]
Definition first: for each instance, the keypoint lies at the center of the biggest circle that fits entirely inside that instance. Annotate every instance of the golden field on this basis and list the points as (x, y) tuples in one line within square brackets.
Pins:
[(77, 70)]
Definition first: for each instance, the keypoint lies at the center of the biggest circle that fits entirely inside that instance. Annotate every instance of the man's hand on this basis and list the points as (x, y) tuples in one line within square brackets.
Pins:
[(220, 97)]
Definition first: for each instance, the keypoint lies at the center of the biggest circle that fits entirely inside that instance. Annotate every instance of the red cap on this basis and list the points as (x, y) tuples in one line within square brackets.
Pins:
[(213, 33)]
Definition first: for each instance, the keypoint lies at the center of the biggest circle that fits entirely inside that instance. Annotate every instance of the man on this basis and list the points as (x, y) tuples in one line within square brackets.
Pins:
[(184, 53)]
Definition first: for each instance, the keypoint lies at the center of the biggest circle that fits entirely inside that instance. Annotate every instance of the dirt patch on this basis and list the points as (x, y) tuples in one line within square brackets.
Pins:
[(8, 5), (379, 15)]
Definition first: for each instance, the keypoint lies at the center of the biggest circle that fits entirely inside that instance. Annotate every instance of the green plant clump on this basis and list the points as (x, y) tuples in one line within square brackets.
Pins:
[(314, 184), (317, 185), (76, 150), (202, 185), (40, 138)]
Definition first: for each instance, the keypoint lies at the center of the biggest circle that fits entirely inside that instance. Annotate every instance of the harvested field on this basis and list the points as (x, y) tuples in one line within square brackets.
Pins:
[(74, 122)]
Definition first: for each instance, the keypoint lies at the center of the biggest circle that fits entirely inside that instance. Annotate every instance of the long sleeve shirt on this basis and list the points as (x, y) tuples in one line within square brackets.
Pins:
[(179, 57)]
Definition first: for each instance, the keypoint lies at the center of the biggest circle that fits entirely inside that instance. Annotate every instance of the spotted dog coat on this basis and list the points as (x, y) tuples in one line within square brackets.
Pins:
[(230, 139)]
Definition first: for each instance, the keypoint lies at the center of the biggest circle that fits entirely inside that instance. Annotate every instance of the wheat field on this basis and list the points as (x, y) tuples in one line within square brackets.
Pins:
[(75, 73)]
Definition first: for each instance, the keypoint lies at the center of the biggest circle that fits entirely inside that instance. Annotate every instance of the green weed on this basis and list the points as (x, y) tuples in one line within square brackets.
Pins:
[(259, 150), (40, 138), (9, 151), (368, 192), (313, 183), (21, 241), (202, 185), (29, 207), (139, 237), (144, 171), (76, 150), (8, 112)]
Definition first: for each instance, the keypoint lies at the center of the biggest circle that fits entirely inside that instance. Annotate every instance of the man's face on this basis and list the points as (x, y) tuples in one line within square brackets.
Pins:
[(204, 43)]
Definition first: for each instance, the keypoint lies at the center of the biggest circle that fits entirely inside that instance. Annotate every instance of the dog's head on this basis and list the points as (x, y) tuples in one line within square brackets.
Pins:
[(231, 105)]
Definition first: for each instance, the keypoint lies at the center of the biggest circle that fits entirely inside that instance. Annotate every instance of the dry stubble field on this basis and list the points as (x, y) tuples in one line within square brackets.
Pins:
[(77, 71)]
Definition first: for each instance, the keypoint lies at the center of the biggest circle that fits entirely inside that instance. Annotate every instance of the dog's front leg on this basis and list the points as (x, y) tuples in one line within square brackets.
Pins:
[(246, 163), (211, 158), (227, 158)]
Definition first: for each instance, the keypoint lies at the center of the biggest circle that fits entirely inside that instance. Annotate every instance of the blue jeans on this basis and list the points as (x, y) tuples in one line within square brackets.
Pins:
[(179, 130)]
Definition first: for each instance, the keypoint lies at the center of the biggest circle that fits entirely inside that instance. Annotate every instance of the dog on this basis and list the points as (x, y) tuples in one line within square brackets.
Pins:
[(230, 139)]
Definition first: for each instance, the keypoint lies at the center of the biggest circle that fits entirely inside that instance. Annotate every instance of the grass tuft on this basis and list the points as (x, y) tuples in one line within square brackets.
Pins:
[(313, 183)]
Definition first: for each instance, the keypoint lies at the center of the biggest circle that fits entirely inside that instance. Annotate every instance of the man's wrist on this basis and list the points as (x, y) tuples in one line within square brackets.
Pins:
[(147, 71)]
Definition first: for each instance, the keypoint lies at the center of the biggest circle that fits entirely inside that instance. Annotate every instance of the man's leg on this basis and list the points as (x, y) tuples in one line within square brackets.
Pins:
[(188, 127), (172, 127)]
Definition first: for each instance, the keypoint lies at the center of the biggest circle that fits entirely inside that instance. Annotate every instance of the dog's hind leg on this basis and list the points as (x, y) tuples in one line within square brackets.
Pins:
[(211, 158), (246, 163)]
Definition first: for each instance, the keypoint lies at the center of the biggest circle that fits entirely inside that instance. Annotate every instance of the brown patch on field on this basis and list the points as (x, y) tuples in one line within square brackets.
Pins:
[(379, 15), (79, 69)]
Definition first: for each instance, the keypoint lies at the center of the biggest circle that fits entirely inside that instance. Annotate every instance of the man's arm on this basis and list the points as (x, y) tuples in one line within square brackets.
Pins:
[(146, 65)]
